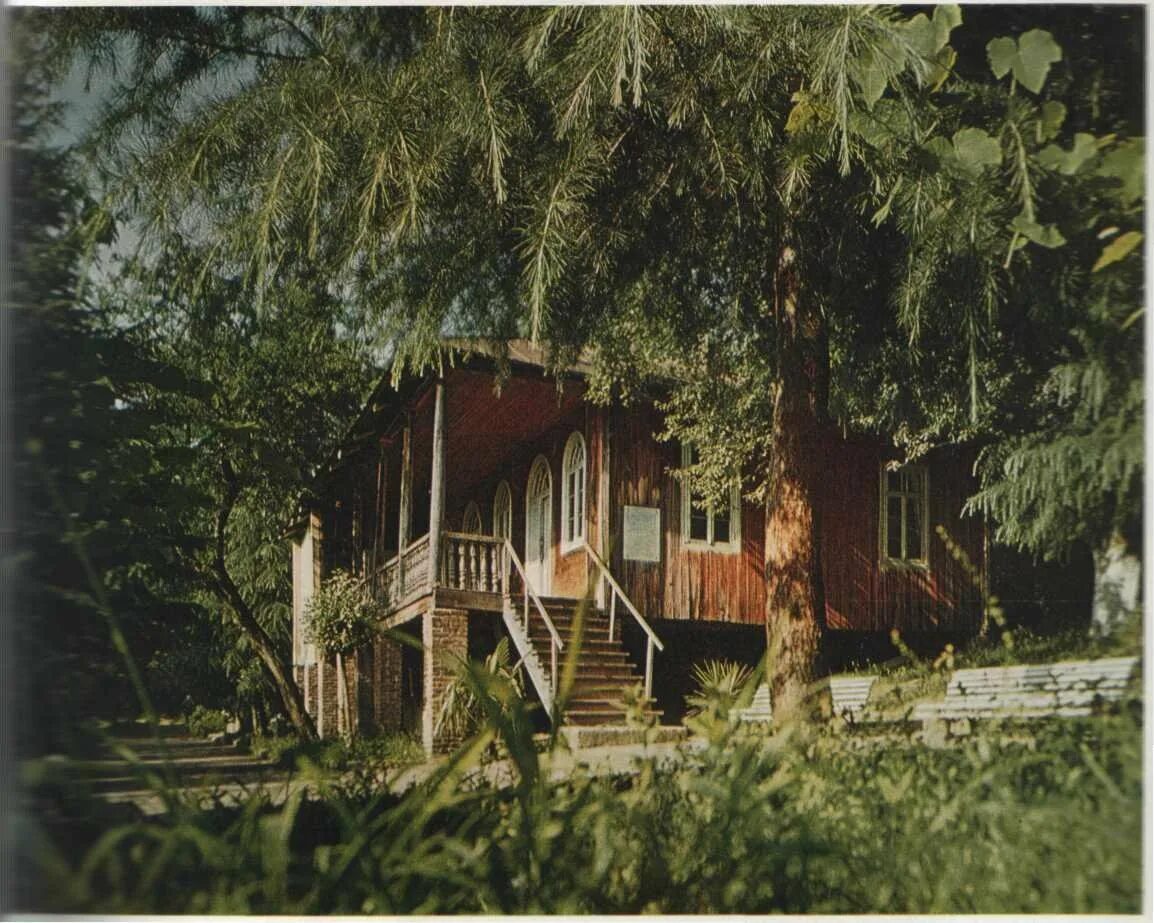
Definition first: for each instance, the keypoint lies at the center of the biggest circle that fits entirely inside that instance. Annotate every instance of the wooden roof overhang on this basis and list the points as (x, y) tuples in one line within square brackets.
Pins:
[(495, 400)]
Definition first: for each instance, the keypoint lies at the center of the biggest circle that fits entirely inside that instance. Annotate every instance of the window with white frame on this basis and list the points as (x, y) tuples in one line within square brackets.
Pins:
[(573, 493), (471, 522), (904, 527), (503, 511), (709, 525)]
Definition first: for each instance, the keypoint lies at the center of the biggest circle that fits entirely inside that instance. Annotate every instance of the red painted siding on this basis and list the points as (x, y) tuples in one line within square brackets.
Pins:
[(493, 437)]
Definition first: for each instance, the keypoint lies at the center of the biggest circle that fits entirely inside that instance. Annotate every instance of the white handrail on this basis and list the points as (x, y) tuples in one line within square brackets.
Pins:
[(556, 643), (625, 599), (617, 593)]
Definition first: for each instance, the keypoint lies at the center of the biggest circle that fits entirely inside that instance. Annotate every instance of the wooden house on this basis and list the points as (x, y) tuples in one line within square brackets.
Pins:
[(477, 510)]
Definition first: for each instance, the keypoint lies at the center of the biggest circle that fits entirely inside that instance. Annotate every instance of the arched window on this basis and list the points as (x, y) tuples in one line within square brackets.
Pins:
[(573, 493), (472, 519), (539, 527), (503, 511)]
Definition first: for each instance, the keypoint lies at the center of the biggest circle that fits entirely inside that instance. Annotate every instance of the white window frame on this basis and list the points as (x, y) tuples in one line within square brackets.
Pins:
[(574, 473), (733, 546), (474, 511), (920, 495), (503, 511)]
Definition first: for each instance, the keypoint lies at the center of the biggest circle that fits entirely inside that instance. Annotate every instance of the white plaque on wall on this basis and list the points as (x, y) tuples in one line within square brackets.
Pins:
[(642, 534)]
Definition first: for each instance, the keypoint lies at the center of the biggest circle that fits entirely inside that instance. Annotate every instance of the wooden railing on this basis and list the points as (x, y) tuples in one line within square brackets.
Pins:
[(403, 575), (472, 562), (615, 593)]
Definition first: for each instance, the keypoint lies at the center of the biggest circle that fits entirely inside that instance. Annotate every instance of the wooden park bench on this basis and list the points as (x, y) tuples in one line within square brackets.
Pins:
[(849, 695), (1069, 689)]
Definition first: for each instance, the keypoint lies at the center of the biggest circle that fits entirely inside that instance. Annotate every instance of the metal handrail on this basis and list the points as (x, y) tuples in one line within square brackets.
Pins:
[(618, 593)]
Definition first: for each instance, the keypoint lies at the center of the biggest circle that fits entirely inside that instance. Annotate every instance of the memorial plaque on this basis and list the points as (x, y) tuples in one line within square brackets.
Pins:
[(642, 534)]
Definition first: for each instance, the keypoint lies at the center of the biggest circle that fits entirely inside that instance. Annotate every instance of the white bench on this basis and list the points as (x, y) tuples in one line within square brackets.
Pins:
[(1068, 689), (849, 695)]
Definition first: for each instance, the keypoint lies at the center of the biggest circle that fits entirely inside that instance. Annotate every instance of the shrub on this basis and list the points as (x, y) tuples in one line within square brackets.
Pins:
[(203, 721), (342, 615), (1045, 818)]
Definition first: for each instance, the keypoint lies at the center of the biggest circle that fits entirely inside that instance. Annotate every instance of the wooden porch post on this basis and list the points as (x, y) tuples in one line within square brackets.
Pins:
[(437, 490), (382, 510), (603, 501), (406, 499)]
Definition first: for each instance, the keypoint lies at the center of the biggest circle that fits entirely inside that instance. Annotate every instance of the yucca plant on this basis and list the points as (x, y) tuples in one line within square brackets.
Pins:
[(462, 711), (722, 689)]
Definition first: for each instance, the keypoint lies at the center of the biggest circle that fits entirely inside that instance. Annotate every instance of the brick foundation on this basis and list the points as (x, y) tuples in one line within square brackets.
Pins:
[(444, 632), (387, 688)]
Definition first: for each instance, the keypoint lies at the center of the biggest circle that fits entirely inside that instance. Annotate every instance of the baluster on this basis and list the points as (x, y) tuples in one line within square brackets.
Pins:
[(553, 658), (462, 567), (649, 667), (612, 612), (525, 613), (474, 567)]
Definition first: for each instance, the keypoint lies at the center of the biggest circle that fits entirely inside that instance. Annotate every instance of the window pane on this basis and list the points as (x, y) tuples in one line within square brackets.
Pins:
[(894, 527), (698, 524), (579, 506), (721, 525), (893, 480), (914, 528)]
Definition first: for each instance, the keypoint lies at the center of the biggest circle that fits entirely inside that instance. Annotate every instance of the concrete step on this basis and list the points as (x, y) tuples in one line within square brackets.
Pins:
[(592, 716)]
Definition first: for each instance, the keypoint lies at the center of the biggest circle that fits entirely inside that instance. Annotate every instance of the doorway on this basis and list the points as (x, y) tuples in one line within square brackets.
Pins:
[(539, 527)]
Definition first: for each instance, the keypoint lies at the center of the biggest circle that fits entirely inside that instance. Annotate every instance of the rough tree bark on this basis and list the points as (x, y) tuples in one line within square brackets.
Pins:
[(795, 592), (229, 592)]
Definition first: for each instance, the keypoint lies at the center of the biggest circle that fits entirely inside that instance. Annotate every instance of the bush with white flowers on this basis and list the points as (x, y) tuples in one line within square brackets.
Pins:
[(342, 615)]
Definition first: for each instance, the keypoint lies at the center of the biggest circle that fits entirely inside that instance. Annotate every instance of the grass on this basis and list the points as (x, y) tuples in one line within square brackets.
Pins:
[(805, 821), (382, 752)]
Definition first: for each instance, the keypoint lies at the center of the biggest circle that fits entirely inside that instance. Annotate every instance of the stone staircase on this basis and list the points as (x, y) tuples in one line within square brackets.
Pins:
[(604, 670), (133, 766)]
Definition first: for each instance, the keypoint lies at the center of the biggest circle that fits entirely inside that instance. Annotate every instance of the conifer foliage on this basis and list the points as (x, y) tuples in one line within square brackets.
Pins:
[(805, 216)]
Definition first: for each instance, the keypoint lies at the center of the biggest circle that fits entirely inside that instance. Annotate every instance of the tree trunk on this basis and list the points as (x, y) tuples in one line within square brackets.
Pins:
[(795, 593), (226, 588)]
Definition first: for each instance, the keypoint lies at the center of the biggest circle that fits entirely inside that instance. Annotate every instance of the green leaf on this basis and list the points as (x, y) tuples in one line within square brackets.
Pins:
[(1029, 58), (948, 16), (1001, 52), (976, 149), (1127, 162), (928, 37), (1069, 162), (1037, 50), (872, 76), (886, 121), (1053, 115), (802, 114), (941, 149), (941, 68), (1117, 249), (1047, 236)]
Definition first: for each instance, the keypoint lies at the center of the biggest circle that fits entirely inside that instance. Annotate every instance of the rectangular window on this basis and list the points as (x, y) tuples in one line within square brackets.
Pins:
[(717, 527), (905, 515)]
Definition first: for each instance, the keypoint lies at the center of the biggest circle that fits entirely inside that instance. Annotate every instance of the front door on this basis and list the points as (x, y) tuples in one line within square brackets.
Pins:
[(539, 527)]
